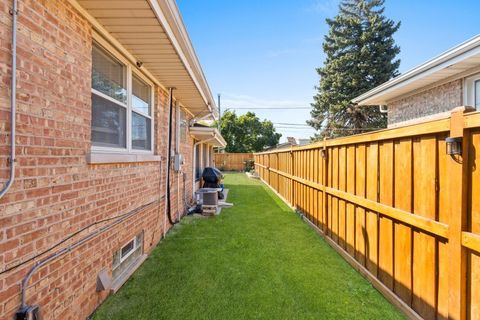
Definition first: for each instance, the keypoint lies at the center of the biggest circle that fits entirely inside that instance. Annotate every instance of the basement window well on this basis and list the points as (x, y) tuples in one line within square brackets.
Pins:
[(126, 260)]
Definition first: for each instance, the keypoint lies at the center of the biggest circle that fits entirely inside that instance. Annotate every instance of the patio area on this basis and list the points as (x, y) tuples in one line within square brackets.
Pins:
[(257, 260)]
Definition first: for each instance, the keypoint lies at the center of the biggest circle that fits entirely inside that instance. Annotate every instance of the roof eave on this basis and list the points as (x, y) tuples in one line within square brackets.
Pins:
[(444, 60), (177, 33), (197, 132)]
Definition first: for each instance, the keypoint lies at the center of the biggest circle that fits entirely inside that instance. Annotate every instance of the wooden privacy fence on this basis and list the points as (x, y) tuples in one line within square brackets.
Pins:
[(232, 161), (397, 207)]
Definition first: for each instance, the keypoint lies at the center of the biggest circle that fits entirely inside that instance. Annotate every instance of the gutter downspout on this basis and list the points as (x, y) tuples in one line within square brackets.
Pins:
[(177, 153), (13, 101), (169, 159), (195, 158)]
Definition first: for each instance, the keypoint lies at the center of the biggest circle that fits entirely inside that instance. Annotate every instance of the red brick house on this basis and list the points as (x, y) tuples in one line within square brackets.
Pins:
[(99, 86), (431, 90)]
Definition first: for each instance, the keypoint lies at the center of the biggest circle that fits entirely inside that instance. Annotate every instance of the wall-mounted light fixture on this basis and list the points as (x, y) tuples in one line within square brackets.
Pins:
[(454, 146)]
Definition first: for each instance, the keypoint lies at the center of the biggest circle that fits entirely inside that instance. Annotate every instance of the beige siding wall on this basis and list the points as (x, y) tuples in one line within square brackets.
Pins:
[(433, 101)]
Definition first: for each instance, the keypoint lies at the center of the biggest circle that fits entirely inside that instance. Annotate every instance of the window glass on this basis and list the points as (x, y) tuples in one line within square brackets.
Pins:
[(118, 113), (141, 132), (124, 257), (128, 248), (139, 240), (141, 96), (477, 94), (108, 123), (108, 75), (205, 156), (116, 259), (198, 169)]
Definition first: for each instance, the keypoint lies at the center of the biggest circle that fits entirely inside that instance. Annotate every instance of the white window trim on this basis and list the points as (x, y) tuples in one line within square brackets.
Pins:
[(469, 90), (136, 245), (130, 70), (134, 248)]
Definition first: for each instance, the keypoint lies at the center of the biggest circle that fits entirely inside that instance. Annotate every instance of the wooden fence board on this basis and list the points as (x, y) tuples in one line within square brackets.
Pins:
[(442, 246), (360, 217), (385, 248), (342, 208), (424, 259), (403, 200), (232, 161), (397, 204), (350, 208), (371, 239), (474, 228), (335, 199)]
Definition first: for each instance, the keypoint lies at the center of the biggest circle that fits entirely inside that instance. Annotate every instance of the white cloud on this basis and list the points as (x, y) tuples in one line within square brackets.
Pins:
[(231, 100), (326, 7)]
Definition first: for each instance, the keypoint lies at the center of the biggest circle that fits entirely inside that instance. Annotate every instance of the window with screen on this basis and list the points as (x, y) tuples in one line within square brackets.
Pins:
[(205, 156), (477, 94), (198, 168), (109, 100), (121, 105)]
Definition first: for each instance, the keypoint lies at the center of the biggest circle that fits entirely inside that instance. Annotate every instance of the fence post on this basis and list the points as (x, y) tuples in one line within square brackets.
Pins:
[(458, 188), (292, 166), (324, 154)]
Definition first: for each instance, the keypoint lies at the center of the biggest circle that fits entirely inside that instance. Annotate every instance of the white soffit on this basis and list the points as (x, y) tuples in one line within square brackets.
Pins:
[(153, 32), (211, 134), (457, 60)]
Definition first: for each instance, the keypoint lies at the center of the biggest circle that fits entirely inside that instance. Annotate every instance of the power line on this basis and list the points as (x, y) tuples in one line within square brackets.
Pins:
[(329, 129), (295, 128), (270, 108), (291, 124)]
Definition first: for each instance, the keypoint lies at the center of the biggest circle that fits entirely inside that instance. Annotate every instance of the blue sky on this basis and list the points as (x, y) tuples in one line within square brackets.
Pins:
[(263, 53)]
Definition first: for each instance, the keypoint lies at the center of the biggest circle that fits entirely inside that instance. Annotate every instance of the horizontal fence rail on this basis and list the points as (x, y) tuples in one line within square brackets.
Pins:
[(232, 161), (398, 206)]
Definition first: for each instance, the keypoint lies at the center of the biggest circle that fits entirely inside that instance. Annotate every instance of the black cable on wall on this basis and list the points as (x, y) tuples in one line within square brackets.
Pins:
[(169, 158)]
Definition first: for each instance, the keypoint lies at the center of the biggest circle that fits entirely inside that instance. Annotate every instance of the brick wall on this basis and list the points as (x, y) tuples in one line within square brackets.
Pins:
[(56, 192), (430, 102)]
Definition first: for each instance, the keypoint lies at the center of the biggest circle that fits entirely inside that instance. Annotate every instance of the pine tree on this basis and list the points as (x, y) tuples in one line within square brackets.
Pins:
[(360, 55)]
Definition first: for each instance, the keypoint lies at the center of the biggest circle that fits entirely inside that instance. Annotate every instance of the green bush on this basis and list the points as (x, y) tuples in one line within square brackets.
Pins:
[(249, 165)]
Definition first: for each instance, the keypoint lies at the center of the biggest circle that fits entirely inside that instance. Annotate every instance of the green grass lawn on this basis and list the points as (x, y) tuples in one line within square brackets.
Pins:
[(257, 260)]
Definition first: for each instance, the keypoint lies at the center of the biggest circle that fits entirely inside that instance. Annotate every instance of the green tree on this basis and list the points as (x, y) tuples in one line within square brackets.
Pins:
[(246, 133), (360, 55)]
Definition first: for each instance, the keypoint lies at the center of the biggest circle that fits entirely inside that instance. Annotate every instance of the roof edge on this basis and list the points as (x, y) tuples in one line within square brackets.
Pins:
[(441, 61), (214, 131), (178, 35)]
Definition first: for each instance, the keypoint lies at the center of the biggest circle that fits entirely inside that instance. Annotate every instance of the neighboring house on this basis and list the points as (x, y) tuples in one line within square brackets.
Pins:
[(304, 142), (94, 96), (431, 90), (291, 142)]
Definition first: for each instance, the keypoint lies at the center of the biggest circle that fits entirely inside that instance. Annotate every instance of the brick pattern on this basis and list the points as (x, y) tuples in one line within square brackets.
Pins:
[(56, 192), (439, 99)]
